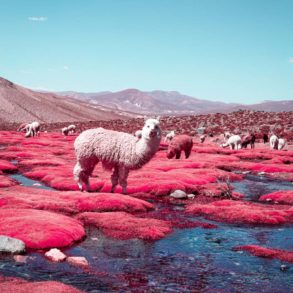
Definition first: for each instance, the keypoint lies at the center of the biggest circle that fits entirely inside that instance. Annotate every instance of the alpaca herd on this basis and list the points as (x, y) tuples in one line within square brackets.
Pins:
[(122, 152)]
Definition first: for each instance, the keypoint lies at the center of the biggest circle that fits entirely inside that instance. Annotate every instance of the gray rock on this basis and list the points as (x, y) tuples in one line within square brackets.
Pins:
[(11, 245), (178, 194)]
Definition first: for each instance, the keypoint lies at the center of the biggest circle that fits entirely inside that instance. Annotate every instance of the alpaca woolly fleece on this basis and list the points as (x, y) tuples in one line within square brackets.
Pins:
[(248, 139), (33, 129), (274, 141), (281, 143), (118, 150), (170, 136), (178, 144), (234, 141)]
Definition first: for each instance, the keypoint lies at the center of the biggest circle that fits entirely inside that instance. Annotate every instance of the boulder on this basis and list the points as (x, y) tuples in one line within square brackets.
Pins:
[(11, 245)]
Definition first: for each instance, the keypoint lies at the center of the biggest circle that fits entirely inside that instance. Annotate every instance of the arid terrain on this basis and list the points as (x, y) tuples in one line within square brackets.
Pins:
[(138, 242), (179, 216)]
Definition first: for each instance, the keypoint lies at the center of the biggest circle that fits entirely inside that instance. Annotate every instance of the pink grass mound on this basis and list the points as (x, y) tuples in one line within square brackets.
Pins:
[(6, 166), (121, 225), (260, 251), (231, 211), (40, 229), (69, 202), (6, 181), (282, 196), (17, 285)]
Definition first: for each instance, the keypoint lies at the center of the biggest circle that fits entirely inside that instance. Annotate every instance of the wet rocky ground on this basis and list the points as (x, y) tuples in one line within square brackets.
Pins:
[(234, 234)]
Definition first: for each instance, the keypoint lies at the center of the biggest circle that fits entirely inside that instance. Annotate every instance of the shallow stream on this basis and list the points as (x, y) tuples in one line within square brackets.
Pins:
[(187, 260)]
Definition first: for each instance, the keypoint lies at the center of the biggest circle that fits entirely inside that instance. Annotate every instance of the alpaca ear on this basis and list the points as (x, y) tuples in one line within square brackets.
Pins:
[(158, 118)]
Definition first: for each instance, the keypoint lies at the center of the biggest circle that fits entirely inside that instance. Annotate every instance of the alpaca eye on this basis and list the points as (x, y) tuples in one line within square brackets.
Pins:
[(148, 126)]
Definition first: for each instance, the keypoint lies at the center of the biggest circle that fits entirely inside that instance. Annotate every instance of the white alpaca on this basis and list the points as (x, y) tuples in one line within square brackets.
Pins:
[(169, 136), (281, 143), (274, 141), (69, 129), (116, 150), (234, 142), (33, 129), (202, 138), (227, 134)]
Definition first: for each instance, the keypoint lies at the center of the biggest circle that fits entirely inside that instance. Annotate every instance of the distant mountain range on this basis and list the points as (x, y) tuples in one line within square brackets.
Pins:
[(19, 104), (169, 103)]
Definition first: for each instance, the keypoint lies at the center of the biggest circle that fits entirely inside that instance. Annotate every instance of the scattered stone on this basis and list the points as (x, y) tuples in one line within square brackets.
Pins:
[(191, 196), (11, 245), (178, 194), (78, 261), (284, 268), (55, 255), (20, 258)]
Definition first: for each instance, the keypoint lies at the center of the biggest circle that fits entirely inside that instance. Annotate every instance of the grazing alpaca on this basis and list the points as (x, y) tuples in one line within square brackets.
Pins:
[(227, 134), (69, 129), (33, 129), (274, 141), (116, 150), (281, 143), (234, 142), (248, 139), (169, 136), (202, 138), (23, 127), (265, 138), (178, 144)]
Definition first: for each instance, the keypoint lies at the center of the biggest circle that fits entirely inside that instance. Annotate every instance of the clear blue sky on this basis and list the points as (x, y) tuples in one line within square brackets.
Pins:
[(228, 50)]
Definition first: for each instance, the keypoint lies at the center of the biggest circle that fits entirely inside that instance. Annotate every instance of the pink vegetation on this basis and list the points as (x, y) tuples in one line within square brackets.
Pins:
[(282, 196), (256, 250), (178, 144), (7, 166), (69, 202), (122, 225), (40, 229), (6, 181), (243, 212), (9, 285)]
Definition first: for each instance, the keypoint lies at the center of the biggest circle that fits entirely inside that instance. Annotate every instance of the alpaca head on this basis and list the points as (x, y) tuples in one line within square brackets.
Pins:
[(151, 129), (170, 152)]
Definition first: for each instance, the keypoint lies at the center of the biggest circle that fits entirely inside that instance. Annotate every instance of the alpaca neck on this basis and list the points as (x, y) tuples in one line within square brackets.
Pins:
[(145, 148)]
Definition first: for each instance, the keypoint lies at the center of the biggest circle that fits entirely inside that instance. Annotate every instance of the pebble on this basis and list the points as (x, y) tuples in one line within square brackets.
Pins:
[(78, 261), (178, 194), (55, 255)]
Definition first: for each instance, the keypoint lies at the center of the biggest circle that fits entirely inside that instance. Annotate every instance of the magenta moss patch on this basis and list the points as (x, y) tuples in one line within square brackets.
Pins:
[(40, 229), (17, 285), (260, 251), (282, 196), (70, 202), (122, 225), (231, 211)]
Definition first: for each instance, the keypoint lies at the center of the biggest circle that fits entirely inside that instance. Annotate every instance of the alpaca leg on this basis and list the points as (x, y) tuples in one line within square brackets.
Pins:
[(77, 170), (187, 153), (81, 175), (114, 178), (123, 174), (178, 154)]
